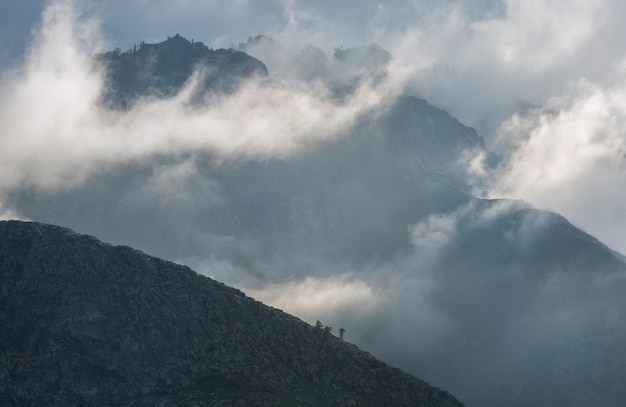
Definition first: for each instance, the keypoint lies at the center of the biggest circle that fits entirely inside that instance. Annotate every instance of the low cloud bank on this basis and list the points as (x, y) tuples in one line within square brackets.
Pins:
[(569, 157)]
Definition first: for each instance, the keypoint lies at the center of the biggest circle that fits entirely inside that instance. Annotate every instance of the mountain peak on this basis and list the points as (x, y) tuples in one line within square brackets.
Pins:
[(163, 68)]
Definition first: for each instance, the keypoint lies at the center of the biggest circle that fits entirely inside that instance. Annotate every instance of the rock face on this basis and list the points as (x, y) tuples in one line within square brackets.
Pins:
[(85, 323)]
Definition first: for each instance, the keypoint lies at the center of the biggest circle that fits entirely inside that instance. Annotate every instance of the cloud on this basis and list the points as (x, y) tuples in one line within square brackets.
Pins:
[(178, 185), (536, 36), (569, 156), (489, 314), (56, 134), (313, 298), (543, 83), (484, 62), (9, 214), (495, 317), (380, 310), (434, 235)]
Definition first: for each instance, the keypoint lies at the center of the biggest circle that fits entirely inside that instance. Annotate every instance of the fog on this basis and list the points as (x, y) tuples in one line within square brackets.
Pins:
[(497, 302), (494, 332), (56, 133)]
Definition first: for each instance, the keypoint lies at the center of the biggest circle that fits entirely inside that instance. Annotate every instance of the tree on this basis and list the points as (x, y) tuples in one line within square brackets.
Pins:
[(327, 330)]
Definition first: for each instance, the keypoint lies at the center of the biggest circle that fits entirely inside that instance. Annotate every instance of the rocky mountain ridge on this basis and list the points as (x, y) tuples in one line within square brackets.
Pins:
[(85, 323)]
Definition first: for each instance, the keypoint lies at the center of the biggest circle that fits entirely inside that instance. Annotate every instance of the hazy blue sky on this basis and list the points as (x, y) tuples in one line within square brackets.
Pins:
[(221, 23)]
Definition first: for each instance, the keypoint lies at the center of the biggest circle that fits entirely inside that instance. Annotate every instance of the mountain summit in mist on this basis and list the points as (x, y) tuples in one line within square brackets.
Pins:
[(89, 324), (162, 69)]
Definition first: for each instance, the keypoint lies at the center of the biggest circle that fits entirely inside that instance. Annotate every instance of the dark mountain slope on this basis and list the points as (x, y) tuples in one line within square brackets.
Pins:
[(538, 309), (86, 323)]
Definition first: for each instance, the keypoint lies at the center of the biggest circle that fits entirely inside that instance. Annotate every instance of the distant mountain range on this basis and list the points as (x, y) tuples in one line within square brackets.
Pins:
[(498, 302), (89, 324)]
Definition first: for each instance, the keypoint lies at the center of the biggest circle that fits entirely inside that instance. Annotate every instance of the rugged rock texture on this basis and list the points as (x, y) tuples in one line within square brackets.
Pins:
[(86, 323)]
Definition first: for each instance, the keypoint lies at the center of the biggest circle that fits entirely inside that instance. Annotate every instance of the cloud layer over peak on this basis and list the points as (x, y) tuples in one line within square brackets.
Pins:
[(56, 132)]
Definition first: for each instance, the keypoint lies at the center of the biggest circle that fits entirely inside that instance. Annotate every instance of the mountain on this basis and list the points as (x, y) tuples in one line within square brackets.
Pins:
[(494, 300), (273, 53), (162, 69), (86, 323), (346, 67), (370, 58), (535, 307), (349, 200)]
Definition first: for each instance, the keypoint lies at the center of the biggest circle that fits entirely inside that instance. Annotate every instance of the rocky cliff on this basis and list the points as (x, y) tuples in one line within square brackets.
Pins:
[(85, 323)]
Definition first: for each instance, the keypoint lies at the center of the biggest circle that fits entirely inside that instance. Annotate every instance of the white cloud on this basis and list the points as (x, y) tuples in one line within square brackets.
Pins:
[(542, 81), (433, 235), (538, 35), (9, 214), (485, 66), (179, 185), (55, 133), (314, 298), (570, 157)]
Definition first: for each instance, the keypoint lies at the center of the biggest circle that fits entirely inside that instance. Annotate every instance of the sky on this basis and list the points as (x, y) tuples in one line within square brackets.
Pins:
[(542, 81)]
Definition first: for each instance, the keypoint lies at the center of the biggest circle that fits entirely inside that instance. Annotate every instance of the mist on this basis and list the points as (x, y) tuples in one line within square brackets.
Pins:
[(56, 133), (286, 189), (486, 62), (508, 332)]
